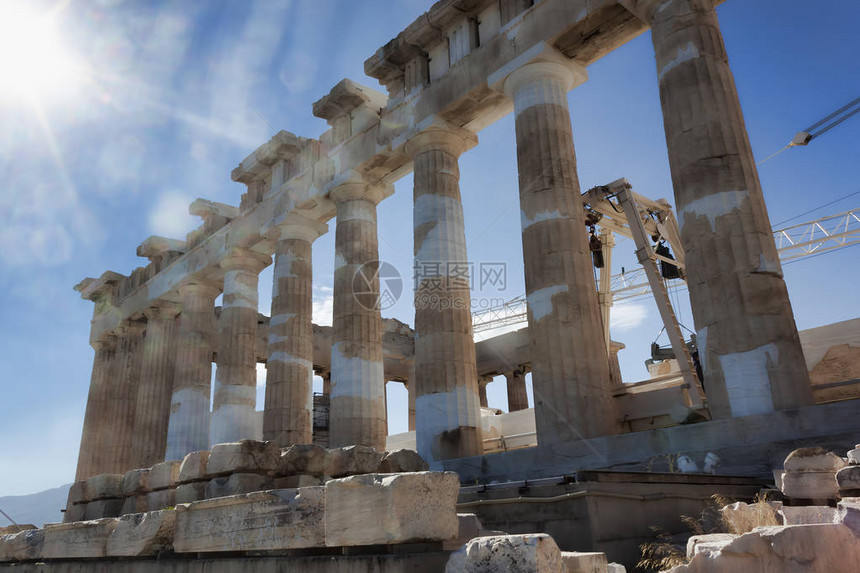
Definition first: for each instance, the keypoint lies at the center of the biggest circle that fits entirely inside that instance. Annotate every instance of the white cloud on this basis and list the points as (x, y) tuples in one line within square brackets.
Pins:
[(323, 305), (170, 218), (627, 316)]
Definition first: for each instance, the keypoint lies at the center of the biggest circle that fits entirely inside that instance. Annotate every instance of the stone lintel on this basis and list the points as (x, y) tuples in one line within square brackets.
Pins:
[(645, 10), (283, 146), (154, 247), (538, 61), (351, 185), (205, 208), (344, 98)]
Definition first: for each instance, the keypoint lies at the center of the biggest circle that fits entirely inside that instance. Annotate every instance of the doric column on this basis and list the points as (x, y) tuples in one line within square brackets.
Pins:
[(288, 415), (570, 366), (748, 341), (188, 428), (235, 397), (120, 408), (518, 399), (447, 405), (357, 414), (326, 379), (158, 366), (410, 391), (92, 438), (482, 390)]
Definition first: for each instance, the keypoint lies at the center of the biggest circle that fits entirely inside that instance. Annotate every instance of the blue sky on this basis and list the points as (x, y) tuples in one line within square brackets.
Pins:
[(173, 95)]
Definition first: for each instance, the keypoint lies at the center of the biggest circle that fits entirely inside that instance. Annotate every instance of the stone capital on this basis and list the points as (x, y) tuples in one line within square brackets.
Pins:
[(540, 62), (104, 342), (240, 259), (130, 329), (294, 226), (96, 289), (352, 186), (436, 133), (202, 289), (162, 310)]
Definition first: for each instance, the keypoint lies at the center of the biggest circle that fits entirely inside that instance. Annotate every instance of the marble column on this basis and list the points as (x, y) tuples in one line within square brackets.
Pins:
[(92, 437), (518, 399), (748, 342), (482, 390), (410, 392), (447, 404), (235, 397), (158, 366), (119, 413), (188, 427), (288, 414), (570, 365), (357, 414), (326, 378)]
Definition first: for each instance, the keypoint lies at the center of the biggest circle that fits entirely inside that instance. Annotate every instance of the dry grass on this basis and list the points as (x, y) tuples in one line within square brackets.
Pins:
[(662, 553), (758, 514)]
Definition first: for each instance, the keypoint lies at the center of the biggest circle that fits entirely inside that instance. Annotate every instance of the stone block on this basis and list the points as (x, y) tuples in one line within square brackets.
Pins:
[(848, 480), (375, 509), (104, 508), (305, 459), (810, 485), (164, 475), (135, 482), (236, 484), (579, 562), (104, 486), (529, 553), (188, 492), (245, 456), (400, 461), (351, 460), (265, 520), (289, 482), (710, 542), (854, 455), (848, 514), (616, 568), (79, 540), (134, 504), (77, 493), (161, 499), (807, 515), (24, 546), (141, 534), (740, 517), (193, 466), (813, 460), (76, 512)]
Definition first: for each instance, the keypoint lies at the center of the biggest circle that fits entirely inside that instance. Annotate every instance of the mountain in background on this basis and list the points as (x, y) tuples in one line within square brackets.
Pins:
[(36, 508)]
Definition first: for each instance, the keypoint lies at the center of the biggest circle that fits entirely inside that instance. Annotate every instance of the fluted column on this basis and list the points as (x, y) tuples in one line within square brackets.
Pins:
[(748, 341), (117, 456), (92, 437), (570, 366), (235, 397), (158, 366), (288, 415), (447, 404), (518, 399), (410, 390), (358, 383), (188, 427)]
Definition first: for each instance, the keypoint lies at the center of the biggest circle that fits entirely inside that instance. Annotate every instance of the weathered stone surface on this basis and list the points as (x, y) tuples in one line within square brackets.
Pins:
[(193, 466), (577, 562), (289, 482), (78, 493), (104, 486), (142, 534), (161, 499), (76, 512), (24, 546), (848, 478), (236, 484), (188, 492), (134, 504), (823, 548), (351, 460), (164, 475), (303, 459), (249, 456), (11, 529), (854, 455), (400, 461), (848, 514), (135, 481), (377, 509), (616, 568), (807, 515), (104, 508), (529, 553), (708, 543), (276, 519), (810, 485), (82, 539), (813, 460), (468, 527), (741, 517)]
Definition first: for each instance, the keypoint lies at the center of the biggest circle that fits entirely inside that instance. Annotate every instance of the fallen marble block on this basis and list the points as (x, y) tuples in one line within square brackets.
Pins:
[(265, 520), (135, 482), (580, 562), (616, 568), (192, 491), (848, 480), (351, 460), (23, 546), (400, 461), (813, 460), (78, 493), (141, 534), (76, 512), (236, 484), (810, 485), (289, 482), (81, 539), (134, 504), (161, 499), (104, 508), (193, 467), (302, 459), (807, 515), (245, 456), (848, 514), (854, 455), (375, 509), (104, 486), (708, 543), (529, 553), (164, 475)]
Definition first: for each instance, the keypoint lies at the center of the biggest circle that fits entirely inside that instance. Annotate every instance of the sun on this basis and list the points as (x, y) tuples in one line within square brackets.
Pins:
[(34, 65)]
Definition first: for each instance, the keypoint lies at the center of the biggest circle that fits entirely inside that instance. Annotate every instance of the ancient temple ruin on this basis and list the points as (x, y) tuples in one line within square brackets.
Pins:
[(453, 71)]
